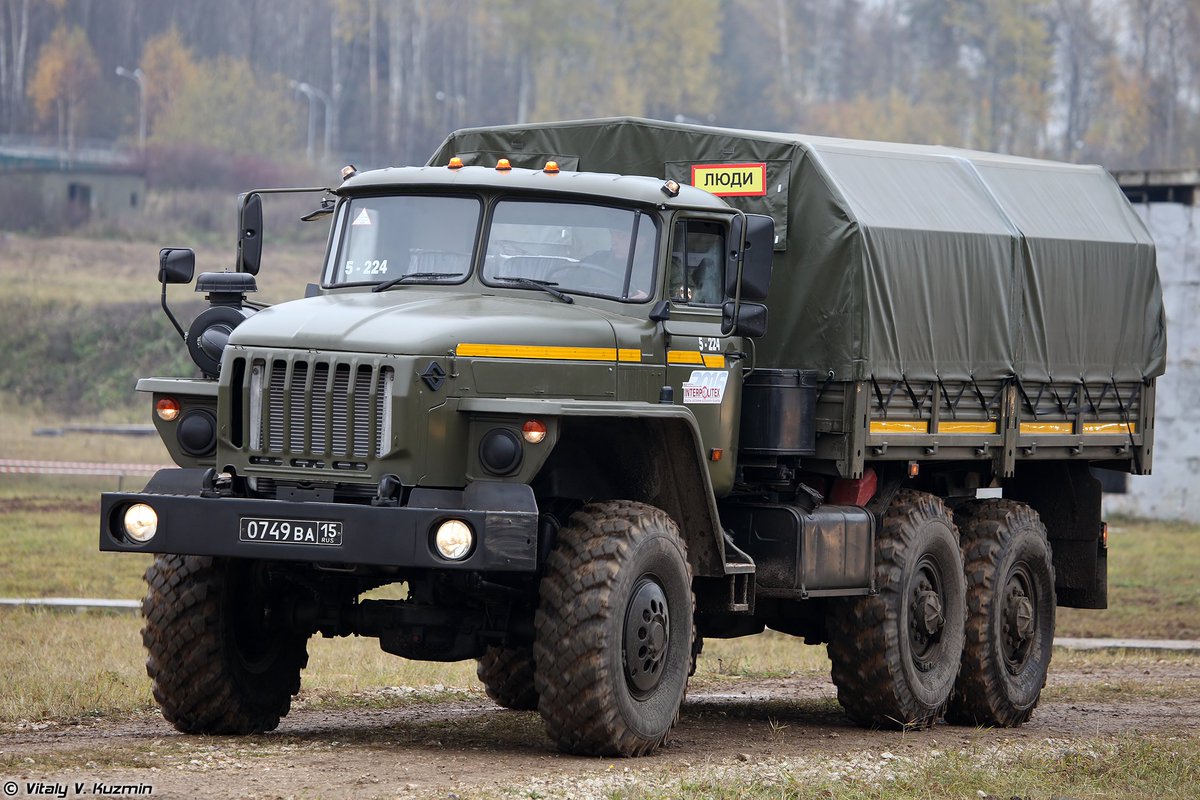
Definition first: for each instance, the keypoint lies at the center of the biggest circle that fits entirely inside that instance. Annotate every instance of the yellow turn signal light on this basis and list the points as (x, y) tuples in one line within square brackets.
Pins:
[(167, 409), (533, 431)]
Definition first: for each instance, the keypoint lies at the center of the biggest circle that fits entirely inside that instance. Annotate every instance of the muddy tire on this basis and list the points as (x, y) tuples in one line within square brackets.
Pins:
[(507, 675), (896, 654), (614, 631), (218, 663), (1010, 614)]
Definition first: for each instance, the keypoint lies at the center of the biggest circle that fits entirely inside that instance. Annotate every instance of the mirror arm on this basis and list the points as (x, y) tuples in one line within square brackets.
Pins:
[(171, 316), (741, 262)]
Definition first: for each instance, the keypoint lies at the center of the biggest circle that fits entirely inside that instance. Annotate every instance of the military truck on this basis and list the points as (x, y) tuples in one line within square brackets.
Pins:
[(536, 386)]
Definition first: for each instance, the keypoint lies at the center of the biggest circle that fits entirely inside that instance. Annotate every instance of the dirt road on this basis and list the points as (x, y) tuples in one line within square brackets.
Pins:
[(453, 746)]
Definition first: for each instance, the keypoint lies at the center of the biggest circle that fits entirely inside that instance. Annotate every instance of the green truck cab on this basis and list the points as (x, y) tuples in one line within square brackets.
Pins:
[(538, 388)]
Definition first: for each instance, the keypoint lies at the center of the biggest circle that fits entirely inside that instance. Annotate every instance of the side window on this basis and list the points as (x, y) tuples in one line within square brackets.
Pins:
[(697, 263)]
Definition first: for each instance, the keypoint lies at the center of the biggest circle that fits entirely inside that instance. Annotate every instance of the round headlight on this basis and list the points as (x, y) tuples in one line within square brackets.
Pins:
[(141, 522), (454, 539)]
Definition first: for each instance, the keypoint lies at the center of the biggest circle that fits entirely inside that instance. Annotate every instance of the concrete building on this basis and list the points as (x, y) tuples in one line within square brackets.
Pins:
[(41, 189), (1166, 201)]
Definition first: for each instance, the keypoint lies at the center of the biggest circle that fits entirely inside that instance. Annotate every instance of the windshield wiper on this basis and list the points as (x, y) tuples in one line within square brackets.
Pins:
[(533, 283), (413, 275)]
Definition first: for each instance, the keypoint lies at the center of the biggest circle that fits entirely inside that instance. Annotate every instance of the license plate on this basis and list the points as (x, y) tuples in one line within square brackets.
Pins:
[(291, 531)]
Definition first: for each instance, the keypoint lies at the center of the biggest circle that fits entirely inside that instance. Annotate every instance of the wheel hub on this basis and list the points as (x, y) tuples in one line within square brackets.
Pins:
[(1019, 620), (647, 635), (926, 616)]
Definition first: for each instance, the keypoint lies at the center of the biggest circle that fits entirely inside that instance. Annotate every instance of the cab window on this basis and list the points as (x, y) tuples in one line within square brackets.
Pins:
[(382, 238), (578, 248), (697, 263)]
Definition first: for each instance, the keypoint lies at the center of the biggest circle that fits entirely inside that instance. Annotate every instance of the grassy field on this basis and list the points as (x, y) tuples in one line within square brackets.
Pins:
[(1154, 768), (71, 665)]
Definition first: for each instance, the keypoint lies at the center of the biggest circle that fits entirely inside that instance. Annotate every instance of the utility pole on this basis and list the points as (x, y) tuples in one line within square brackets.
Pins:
[(138, 77)]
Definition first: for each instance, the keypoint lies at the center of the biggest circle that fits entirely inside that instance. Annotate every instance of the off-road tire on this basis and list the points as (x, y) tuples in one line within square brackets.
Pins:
[(612, 563), (891, 668), (1010, 614), (215, 669), (507, 675)]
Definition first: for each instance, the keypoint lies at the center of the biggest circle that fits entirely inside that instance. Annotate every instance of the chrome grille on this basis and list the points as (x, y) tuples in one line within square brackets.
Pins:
[(329, 408)]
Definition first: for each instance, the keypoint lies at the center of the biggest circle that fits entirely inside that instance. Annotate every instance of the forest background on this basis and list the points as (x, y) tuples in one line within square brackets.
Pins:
[(228, 83)]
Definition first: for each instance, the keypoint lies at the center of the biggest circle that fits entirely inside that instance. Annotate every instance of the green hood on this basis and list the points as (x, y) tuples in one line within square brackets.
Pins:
[(416, 322)]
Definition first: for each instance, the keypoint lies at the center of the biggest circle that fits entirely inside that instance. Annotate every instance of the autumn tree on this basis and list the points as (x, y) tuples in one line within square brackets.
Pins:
[(64, 72), (222, 105), (168, 66)]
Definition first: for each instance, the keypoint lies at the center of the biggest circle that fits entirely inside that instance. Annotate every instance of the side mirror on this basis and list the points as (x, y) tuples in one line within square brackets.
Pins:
[(747, 319), (757, 243), (250, 222), (758, 257), (176, 265)]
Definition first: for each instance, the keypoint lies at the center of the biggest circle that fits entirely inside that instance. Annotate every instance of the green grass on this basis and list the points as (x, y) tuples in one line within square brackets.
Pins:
[(1153, 583), (1150, 767), (68, 666)]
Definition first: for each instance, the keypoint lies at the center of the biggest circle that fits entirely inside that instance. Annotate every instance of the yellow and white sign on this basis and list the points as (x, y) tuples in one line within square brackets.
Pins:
[(731, 180)]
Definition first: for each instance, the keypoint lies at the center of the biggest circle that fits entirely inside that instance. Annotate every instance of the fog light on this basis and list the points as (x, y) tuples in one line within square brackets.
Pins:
[(141, 522), (197, 432), (454, 539), (500, 451)]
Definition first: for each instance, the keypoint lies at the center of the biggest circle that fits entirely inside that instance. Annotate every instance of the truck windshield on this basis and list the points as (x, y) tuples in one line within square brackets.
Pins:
[(385, 238), (574, 247)]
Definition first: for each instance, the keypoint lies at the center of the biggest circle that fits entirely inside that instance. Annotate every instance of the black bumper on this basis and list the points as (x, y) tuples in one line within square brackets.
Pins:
[(505, 528)]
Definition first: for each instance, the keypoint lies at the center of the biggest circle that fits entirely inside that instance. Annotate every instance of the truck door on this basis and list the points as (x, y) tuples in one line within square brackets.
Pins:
[(704, 367)]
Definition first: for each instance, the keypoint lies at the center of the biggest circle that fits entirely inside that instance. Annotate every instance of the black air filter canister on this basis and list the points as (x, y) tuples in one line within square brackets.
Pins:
[(778, 412)]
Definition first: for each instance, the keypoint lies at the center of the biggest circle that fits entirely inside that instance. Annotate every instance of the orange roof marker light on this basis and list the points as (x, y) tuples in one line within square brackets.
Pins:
[(551, 168), (455, 163), (503, 166)]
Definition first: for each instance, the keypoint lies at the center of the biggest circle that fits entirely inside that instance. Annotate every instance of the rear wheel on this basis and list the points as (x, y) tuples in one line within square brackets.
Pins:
[(614, 634), (1011, 607), (896, 654), (507, 675), (220, 660)]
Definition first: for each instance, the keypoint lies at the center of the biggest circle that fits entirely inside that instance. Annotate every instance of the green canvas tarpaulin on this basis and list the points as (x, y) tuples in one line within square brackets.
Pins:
[(906, 261)]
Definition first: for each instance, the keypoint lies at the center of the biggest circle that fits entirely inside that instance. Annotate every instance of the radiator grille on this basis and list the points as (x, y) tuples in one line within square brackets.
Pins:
[(335, 409)]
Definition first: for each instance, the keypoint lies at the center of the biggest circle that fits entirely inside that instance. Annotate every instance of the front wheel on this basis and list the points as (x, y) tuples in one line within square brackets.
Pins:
[(896, 654), (1010, 623), (220, 660), (507, 675), (614, 634)]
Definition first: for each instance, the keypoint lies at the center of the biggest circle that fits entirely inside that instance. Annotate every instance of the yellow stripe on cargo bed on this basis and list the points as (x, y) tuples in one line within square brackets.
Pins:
[(966, 427), (899, 426)]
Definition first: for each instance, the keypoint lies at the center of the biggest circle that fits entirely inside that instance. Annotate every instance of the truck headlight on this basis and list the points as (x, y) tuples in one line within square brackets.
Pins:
[(140, 522), (454, 540)]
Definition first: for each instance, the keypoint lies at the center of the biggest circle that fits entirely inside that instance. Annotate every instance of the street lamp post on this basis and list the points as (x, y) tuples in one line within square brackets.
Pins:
[(313, 93), (138, 77)]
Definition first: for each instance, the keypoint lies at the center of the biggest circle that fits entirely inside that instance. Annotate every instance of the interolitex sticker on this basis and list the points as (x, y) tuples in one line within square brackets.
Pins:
[(731, 180), (705, 386)]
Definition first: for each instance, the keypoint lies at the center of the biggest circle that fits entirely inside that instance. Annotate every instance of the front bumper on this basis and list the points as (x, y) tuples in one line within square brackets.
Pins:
[(503, 517)]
